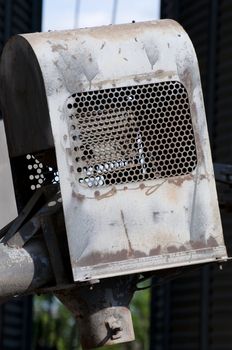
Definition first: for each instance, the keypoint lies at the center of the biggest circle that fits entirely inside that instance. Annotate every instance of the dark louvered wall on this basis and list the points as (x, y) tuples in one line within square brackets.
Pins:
[(184, 302), (223, 129), (16, 324), (1, 23), (17, 16), (194, 312)]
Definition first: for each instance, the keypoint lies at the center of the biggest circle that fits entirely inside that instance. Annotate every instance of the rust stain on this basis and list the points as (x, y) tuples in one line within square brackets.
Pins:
[(197, 244), (211, 242), (130, 251), (154, 188), (138, 254), (79, 196), (97, 194), (155, 251), (138, 78), (59, 47), (183, 248), (163, 74), (109, 32), (102, 258), (108, 194), (178, 180), (175, 249), (172, 249), (150, 190), (172, 195), (98, 258)]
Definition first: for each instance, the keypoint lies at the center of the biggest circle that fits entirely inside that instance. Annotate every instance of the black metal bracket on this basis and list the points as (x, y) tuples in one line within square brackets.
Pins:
[(223, 177), (43, 216)]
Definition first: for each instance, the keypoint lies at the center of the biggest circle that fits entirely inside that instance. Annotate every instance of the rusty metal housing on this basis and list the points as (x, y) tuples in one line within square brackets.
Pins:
[(123, 108)]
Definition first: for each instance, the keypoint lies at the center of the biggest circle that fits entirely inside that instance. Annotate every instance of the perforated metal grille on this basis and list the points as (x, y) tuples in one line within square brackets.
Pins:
[(131, 134), (40, 174)]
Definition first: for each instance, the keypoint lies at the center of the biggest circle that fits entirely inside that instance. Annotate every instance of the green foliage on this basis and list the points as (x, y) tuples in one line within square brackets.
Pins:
[(140, 308), (54, 326)]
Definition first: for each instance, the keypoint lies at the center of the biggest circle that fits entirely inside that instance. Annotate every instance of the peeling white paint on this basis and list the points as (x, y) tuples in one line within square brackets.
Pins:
[(138, 227)]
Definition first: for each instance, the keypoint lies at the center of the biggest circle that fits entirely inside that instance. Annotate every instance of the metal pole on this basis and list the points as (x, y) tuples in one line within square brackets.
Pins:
[(114, 11), (102, 310), (77, 14), (23, 270)]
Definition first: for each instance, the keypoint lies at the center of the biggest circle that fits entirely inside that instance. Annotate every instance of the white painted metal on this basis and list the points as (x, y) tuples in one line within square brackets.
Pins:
[(162, 223), (8, 210)]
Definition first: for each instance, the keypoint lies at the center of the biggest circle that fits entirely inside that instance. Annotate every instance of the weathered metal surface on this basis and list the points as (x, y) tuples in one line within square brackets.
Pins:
[(130, 226), (23, 270), (23, 102), (102, 311), (43, 217), (8, 210)]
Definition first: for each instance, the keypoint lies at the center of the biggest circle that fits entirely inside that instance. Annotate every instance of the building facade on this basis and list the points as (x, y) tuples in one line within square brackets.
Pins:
[(193, 312)]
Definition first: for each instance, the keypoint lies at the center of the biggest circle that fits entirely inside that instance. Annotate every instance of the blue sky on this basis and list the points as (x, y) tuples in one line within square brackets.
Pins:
[(60, 14)]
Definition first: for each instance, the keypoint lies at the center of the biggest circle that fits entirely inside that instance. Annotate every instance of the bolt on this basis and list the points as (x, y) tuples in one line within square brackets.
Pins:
[(114, 327)]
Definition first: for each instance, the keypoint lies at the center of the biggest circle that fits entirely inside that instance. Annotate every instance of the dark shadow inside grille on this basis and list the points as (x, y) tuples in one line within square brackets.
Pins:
[(131, 134)]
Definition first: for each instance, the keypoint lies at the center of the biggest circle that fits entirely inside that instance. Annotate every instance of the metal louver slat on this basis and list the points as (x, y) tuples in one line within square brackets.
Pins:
[(14, 316), (20, 25)]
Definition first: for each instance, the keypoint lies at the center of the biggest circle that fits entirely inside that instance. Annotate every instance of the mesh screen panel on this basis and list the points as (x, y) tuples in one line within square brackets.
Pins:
[(131, 134)]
